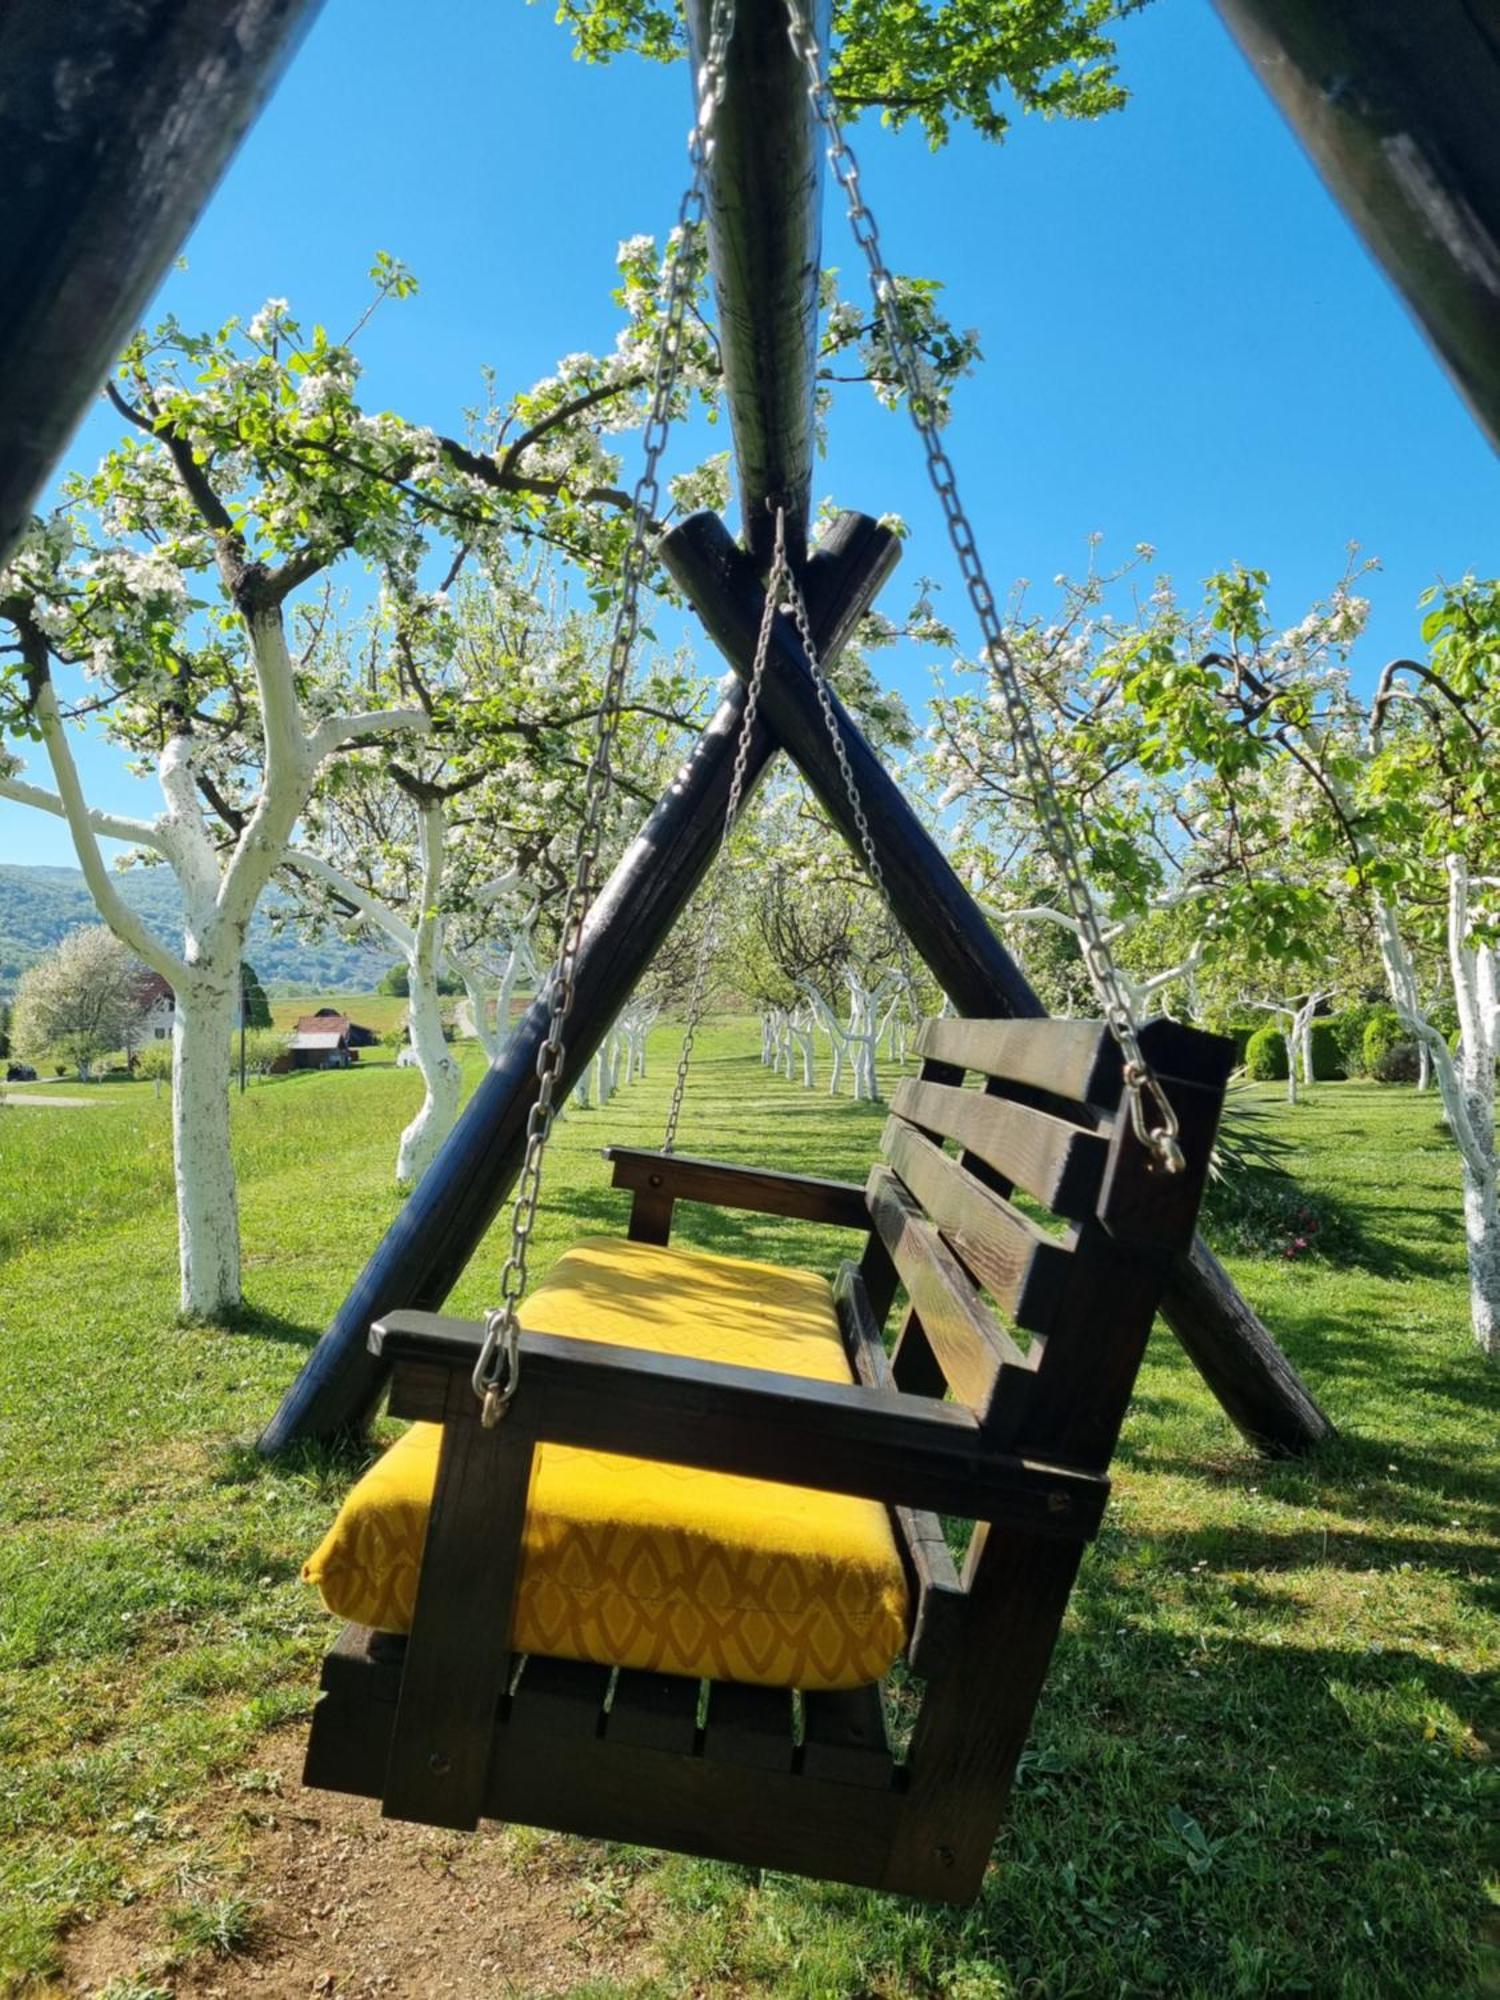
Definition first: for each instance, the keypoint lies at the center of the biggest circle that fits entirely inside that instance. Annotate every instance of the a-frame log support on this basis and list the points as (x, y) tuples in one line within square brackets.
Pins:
[(764, 196), (444, 1219), (1259, 1389)]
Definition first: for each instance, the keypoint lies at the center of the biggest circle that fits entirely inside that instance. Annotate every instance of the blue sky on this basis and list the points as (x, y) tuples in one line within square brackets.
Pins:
[(1184, 341)]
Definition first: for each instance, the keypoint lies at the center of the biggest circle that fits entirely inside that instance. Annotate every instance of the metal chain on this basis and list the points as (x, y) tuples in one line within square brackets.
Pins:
[(1140, 1083), (780, 569), (824, 690), (497, 1371)]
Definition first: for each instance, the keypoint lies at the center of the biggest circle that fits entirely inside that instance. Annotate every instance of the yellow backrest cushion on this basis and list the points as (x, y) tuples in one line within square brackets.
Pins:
[(638, 1564)]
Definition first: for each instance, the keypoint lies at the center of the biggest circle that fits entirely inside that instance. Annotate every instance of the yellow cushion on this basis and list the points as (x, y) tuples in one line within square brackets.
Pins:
[(637, 1564)]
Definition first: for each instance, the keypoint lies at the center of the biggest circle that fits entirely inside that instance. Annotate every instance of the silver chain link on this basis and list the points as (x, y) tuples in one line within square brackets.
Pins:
[(708, 942), (836, 737), (1161, 1137), (497, 1371)]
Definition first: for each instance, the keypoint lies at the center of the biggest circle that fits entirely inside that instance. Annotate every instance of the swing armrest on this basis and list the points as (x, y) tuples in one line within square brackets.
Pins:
[(835, 1437), (660, 1179)]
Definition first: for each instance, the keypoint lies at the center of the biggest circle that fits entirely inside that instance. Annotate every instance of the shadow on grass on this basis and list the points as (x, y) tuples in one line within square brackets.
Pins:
[(1266, 1213), (1286, 1670), (261, 1323)]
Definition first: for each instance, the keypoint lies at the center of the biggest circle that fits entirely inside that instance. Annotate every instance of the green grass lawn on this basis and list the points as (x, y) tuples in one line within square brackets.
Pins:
[(1260, 1765)]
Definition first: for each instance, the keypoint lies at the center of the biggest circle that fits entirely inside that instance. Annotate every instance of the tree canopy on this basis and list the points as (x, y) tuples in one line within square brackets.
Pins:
[(940, 62)]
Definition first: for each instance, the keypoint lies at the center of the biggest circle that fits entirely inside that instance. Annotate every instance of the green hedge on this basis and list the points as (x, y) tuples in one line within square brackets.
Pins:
[(1382, 1033), (1265, 1056), (1240, 1035), (1330, 1065)]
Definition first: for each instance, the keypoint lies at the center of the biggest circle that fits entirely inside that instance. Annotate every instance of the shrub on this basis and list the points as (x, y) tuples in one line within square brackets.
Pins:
[(262, 1048), (1349, 1031), (154, 1062), (1328, 1062), (1240, 1034), (1397, 1064), (1382, 1033), (1265, 1056)]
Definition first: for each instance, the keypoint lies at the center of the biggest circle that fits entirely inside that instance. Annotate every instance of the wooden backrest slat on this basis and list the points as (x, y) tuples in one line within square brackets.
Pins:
[(1023, 1270), (1070, 1059), (975, 1352), (1059, 1164)]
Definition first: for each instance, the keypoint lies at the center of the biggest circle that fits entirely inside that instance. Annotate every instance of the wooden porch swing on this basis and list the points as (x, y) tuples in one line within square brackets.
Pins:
[(448, 1726), (1107, 1126)]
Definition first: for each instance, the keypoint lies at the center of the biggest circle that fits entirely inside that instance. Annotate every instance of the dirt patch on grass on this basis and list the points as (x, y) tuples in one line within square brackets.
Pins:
[(318, 1895)]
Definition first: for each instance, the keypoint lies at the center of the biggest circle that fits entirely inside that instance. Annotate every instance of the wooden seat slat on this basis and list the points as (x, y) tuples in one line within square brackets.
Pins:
[(749, 1726), (564, 1697), (845, 1740), (971, 1346), (654, 1711), (1072, 1059), (1057, 1163), (1023, 1270)]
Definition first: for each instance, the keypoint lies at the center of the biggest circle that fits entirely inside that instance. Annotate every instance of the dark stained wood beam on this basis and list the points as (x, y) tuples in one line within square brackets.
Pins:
[(442, 1222), (765, 234), (938, 914), (116, 119), (1399, 106)]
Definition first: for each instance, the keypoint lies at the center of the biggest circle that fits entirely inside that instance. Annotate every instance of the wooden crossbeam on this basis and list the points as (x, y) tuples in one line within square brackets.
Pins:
[(765, 187), (116, 120), (1398, 105)]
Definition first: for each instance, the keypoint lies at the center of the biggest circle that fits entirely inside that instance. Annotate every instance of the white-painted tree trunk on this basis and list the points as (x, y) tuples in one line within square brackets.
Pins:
[(1466, 1086), (208, 1236), (635, 1024), (219, 897), (422, 947), (819, 1013), (1294, 1018), (865, 1026), (439, 1070), (784, 1045)]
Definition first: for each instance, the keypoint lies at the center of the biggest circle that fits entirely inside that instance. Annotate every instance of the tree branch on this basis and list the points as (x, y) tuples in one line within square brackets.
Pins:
[(116, 912), (361, 901), (337, 730), (137, 832), (563, 413)]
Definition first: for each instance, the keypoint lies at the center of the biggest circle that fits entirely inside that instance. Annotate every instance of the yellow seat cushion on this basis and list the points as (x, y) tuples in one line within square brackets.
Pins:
[(633, 1563)]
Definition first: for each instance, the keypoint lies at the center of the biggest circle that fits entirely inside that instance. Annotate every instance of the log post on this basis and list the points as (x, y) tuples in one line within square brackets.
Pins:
[(765, 187), (1398, 106), (1259, 1389), (116, 120), (459, 1196)]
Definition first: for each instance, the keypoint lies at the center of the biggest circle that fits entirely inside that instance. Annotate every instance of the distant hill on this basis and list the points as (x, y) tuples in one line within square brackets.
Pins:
[(39, 906)]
